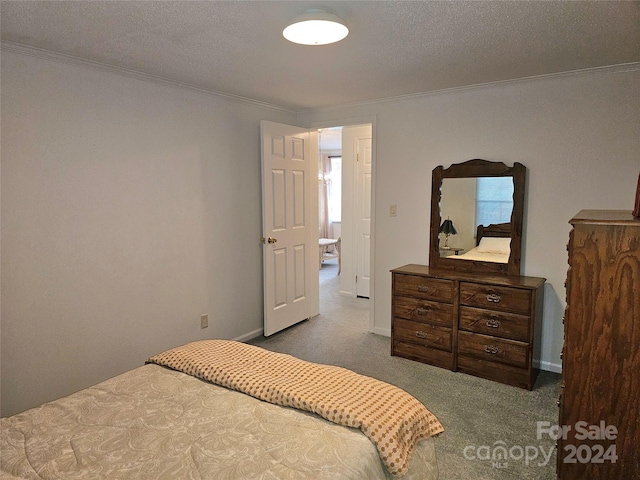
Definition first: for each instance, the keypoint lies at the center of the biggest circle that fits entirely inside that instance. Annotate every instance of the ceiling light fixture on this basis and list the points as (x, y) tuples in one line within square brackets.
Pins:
[(315, 27)]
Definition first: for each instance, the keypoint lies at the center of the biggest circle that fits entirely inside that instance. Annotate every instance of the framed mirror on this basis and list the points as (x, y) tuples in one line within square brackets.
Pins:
[(477, 210)]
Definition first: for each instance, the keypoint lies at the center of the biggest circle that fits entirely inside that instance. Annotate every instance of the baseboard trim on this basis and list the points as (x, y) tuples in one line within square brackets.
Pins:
[(385, 332), (548, 366), (250, 336)]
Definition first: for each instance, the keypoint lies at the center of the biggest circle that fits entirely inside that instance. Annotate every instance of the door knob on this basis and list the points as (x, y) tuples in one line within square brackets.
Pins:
[(269, 240)]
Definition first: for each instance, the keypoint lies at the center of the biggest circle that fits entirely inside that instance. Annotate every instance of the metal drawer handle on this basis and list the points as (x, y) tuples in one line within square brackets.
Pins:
[(492, 349), (493, 322), (495, 298), (422, 288), (421, 310), (421, 334)]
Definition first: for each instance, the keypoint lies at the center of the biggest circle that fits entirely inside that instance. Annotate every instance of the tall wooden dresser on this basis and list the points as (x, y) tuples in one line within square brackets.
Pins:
[(600, 395)]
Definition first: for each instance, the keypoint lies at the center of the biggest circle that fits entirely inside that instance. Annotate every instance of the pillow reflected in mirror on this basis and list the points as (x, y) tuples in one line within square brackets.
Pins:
[(495, 245)]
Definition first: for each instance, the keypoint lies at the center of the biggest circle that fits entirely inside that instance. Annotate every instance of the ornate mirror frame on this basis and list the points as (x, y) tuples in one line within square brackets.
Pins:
[(473, 169)]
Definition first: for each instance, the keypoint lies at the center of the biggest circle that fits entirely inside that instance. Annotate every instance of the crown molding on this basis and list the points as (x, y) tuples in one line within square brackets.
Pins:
[(72, 60), (126, 72), (608, 69)]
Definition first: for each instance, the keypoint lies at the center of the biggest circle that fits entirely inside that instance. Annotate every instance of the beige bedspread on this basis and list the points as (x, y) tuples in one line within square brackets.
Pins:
[(391, 418), (156, 423)]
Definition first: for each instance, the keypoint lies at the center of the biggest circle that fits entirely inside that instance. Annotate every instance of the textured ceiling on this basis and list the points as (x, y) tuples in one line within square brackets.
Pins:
[(394, 47)]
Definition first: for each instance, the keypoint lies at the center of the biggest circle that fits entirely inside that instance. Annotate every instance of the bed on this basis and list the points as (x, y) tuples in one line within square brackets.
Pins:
[(493, 244), (223, 409)]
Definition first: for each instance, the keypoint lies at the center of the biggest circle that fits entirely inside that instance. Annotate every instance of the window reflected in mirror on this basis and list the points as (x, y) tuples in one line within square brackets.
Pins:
[(494, 200)]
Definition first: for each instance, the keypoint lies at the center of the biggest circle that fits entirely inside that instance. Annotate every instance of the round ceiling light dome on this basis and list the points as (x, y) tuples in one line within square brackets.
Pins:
[(315, 27)]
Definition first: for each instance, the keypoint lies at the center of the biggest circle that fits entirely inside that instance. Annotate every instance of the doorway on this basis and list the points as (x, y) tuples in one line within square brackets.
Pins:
[(345, 210)]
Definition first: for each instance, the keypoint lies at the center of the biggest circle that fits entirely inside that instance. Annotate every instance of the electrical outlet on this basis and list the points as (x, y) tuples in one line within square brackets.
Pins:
[(393, 210), (204, 320)]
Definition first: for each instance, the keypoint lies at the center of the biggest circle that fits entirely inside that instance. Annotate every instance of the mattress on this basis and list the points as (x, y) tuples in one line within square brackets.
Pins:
[(153, 422), (476, 255)]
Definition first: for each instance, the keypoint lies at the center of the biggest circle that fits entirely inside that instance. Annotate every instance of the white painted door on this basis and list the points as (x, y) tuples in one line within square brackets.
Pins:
[(290, 225), (363, 215)]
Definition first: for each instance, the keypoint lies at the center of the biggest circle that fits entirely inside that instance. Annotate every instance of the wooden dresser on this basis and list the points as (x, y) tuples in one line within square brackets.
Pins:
[(483, 325), (601, 354)]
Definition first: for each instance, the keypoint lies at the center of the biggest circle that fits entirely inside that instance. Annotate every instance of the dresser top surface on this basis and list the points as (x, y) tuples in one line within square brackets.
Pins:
[(503, 280), (605, 217)]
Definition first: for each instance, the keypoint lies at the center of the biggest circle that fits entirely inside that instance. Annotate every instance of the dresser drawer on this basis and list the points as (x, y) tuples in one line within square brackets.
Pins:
[(422, 334), (499, 324), (486, 347), (424, 311), (420, 353), (498, 372), (424, 287), (505, 299)]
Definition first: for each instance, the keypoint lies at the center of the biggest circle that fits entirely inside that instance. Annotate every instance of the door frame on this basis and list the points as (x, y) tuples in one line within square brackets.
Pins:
[(348, 287)]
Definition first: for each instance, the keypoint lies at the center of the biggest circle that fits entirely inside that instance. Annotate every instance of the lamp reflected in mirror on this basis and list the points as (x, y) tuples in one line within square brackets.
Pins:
[(448, 229)]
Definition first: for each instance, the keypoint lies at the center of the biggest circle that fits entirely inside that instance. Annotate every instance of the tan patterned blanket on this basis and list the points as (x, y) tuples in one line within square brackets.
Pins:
[(391, 418)]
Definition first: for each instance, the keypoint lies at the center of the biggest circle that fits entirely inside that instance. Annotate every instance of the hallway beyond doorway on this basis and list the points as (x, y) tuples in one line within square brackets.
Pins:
[(335, 307)]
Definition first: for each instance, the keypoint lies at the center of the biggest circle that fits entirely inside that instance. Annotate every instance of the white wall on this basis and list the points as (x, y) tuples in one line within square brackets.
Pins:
[(128, 210), (578, 135)]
